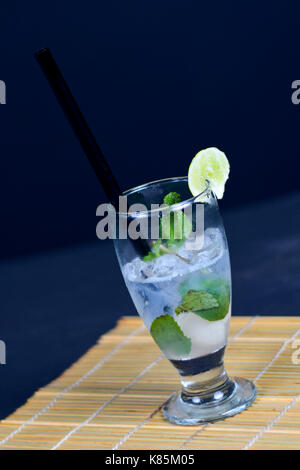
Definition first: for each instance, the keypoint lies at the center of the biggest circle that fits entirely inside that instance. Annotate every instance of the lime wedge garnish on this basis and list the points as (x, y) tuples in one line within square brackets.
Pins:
[(210, 164)]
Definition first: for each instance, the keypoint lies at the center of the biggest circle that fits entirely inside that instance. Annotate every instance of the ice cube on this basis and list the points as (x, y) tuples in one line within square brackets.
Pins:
[(168, 266)]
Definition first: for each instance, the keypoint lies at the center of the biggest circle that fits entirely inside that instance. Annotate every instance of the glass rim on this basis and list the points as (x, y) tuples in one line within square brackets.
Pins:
[(174, 207)]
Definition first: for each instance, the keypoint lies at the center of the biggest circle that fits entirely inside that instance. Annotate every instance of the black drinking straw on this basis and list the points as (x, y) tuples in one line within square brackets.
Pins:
[(84, 134), (79, 125)]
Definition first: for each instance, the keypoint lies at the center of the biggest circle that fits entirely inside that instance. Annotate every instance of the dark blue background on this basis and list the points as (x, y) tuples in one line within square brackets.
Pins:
[(157, 81)]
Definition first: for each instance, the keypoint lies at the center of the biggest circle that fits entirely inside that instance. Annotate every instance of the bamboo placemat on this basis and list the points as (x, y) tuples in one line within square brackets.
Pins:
[(111, 397)]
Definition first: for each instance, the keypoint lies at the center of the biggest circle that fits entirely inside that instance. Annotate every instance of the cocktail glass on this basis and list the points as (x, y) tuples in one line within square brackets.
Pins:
[(183, 296)]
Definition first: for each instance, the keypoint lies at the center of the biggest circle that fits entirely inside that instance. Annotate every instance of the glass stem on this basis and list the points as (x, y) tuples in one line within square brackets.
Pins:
[(207, 387)]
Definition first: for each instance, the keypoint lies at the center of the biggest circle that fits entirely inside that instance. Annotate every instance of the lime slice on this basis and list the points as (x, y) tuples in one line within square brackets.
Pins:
[(210, 164)]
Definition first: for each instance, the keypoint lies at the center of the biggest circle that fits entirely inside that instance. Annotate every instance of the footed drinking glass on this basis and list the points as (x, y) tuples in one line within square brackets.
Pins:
[(182, 291)]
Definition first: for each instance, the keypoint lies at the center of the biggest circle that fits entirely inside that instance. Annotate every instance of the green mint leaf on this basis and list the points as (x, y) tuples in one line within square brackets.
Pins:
[(172, 198), (155, 253), (167, 226), (181, 228), (218, 288), (196, 300), (149, 257), (156, 247), (174, 226), (169, 336), (171, 223)]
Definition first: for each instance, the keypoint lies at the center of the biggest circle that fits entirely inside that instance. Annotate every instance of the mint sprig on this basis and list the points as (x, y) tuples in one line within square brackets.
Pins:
[(172, 229), (196, 301), (169, 336), (155, 253), (172, 198), (218, 289)]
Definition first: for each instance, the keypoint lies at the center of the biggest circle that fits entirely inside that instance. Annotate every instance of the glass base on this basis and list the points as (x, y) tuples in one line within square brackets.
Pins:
[(235, 396)]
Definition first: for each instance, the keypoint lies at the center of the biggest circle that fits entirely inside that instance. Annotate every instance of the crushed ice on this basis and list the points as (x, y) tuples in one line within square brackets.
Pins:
[(167, 266)]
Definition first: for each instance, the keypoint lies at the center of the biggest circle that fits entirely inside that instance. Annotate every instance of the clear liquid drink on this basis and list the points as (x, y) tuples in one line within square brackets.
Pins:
[(182, 291)]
